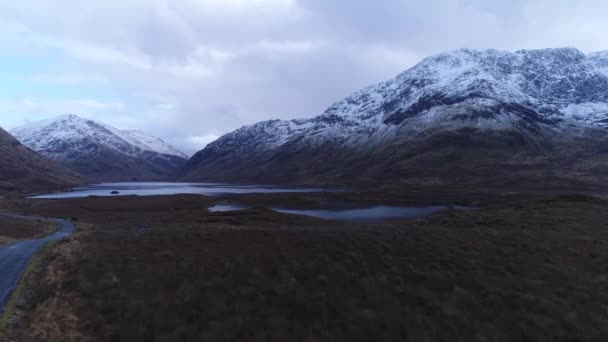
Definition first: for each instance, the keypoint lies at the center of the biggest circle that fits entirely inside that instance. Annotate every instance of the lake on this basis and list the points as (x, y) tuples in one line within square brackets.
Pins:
[(161, 188), (330, 211), (369, 214)]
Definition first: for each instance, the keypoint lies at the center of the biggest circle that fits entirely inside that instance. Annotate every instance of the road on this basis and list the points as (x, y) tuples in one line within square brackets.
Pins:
[(15, 257)]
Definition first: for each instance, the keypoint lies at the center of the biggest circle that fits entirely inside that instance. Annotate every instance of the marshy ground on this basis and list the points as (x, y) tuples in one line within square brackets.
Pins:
[(521, 268)]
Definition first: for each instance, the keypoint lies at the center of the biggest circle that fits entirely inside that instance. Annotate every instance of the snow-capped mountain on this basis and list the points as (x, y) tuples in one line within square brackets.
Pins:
[(99, 150), (601, 59), (538, 97), (150, 143)]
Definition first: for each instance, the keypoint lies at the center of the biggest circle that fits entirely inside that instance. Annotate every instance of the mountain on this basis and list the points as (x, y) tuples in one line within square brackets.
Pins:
[(101, 151), (23, 170), (484, 117)]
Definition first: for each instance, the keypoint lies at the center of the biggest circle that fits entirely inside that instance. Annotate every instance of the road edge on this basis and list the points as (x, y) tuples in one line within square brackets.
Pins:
[(11, 303)]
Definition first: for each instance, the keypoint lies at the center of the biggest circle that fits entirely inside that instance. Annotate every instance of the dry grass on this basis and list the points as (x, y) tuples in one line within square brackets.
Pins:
[(25, 171), (12, 229), (528, 271), (5, 240), (11, 311)]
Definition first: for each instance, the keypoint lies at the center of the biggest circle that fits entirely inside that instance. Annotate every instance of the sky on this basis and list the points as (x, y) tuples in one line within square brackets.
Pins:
[(189, 71)]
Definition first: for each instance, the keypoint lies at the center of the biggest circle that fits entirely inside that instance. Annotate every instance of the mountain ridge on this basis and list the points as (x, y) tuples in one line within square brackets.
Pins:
[(101, 151), (24, 171), (541, 97)]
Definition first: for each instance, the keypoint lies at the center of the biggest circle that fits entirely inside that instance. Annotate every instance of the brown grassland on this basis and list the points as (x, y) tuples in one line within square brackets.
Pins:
[(519, 268), (12, 229)]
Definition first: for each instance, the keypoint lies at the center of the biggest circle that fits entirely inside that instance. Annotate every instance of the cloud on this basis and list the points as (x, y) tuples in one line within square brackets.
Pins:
[(64, 79), (19, 111), (200, 141), (203, 140), (191, 70)]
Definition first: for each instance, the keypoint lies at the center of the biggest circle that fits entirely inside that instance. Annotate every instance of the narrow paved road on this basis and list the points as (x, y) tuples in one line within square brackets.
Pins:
[(15, 257)]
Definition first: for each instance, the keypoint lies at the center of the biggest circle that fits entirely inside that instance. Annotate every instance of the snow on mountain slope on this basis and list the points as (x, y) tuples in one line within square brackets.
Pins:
[(73, 140), (544, 80), (562, 86), (41, 135), (601, 59), (148, 142), (532, 92)]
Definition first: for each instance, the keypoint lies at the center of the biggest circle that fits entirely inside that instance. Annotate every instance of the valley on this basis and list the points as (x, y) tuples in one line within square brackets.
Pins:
[(462, 200)]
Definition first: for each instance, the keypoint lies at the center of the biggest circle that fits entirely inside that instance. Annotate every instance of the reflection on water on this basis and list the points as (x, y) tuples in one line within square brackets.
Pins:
[(227, 207), (159, 188), (377, 213), (366, 214)]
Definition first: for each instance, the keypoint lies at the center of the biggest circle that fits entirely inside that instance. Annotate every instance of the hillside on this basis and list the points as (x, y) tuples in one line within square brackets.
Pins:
[(23, 170), (531, 117), (100, 151)]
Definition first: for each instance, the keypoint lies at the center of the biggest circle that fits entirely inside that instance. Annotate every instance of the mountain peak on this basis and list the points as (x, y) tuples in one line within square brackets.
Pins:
[(599, 54), (65, 118), (72, 139), (601, 59), (527, 93), (69, 116), (572, 51), (73, 127), (457, 56)]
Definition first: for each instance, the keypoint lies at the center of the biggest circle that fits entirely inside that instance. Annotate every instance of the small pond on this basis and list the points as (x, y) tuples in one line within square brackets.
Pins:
[(369, 214)]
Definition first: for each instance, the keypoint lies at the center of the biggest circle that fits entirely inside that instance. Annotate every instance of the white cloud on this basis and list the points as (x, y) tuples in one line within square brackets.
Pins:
[(15, 112), (64, 79), (202, 140)]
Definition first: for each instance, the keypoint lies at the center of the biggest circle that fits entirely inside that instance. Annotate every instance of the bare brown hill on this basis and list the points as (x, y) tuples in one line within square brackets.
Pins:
[(25, 171)]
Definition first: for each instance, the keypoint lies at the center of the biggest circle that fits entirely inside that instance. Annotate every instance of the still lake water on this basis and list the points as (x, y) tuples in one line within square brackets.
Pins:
[(369, 214), (159, 188), (329, 211)]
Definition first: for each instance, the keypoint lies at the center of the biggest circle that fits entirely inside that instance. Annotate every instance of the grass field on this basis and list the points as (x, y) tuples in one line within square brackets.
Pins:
[(164, 269), (17, 229)]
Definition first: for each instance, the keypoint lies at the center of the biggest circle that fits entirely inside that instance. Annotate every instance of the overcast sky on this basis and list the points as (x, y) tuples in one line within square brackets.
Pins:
[(191, 70)]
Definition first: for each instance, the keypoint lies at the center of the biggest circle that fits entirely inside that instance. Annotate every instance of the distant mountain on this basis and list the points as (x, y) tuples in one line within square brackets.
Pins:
[(101, 151), (23, 170), (485, 117)]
